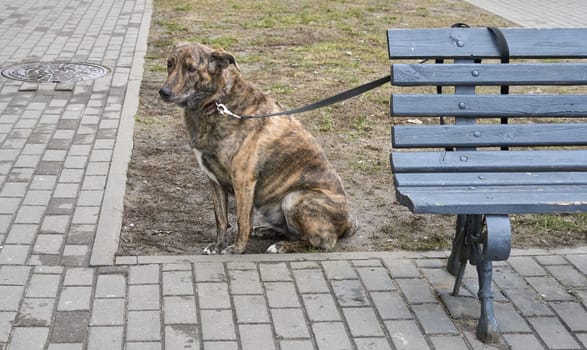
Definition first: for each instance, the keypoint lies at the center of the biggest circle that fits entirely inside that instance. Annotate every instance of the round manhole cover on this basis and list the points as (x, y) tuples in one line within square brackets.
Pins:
[(54, 72)]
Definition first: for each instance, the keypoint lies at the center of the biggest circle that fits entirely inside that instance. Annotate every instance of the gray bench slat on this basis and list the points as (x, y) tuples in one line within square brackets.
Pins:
[(489, 74), (489, 161), (489, 135), (479, 43), (490, 179), (498, 200), (483, 106)]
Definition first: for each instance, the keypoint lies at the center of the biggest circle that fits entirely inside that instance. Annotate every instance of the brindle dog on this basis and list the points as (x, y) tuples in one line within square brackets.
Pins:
[(270, 164)]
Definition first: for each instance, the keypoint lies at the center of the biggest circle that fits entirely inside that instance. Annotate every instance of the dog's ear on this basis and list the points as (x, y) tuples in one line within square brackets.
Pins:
[(220, 60)]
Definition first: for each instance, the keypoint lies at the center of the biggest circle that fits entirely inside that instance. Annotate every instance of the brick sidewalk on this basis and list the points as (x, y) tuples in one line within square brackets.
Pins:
[(299, 301), (64, 150)]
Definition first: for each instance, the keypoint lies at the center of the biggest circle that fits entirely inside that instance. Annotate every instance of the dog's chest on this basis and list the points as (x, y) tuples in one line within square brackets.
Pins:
[(203, 166)]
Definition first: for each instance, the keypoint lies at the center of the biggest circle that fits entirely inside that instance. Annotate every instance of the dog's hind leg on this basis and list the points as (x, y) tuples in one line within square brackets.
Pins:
[(317, 219), (220, 201)]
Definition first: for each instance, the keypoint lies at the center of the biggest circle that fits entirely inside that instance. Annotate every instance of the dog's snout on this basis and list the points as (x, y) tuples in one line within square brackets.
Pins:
[(165, 92)]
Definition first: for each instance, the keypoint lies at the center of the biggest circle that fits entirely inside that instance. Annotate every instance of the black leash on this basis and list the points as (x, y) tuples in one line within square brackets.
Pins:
[(345, 95)]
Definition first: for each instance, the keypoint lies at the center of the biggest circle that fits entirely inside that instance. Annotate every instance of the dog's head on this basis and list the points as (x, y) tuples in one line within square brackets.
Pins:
[(194, 74)]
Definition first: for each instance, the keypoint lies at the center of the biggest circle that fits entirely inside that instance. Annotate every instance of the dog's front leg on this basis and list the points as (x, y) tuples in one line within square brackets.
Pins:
[(244, 195), (220, 200)]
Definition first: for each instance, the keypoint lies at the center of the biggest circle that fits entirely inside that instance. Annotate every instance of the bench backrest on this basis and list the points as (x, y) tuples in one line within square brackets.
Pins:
[(465, 47)]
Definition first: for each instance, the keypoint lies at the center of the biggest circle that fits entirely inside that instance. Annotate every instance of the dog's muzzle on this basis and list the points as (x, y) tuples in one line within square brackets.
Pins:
[(165, 93)]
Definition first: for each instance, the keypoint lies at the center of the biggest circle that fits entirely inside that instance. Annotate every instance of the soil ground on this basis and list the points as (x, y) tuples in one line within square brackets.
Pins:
[(297, 52)]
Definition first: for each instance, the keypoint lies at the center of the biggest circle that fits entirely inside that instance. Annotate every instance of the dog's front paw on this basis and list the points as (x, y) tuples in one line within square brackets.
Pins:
[(210, 249), (231, 249)]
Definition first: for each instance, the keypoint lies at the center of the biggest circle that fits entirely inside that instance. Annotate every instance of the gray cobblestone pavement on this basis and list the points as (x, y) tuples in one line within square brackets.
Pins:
[(64, 149)]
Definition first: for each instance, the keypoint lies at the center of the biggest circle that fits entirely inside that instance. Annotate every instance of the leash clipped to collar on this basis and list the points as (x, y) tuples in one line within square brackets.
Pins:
[(221, 108)]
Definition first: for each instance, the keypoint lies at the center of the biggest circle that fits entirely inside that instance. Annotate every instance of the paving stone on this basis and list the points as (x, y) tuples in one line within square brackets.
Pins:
[(376, 278), (321, 307), (526, 266), (108, 312), (144, 274), (48, 244), (209, 272), (75, 255), (111, 286), (331, 335), (35, 312), (14, 254), (6, 323), (274, 272), (244, 282), (506, 278), (71, 175), (448, 342), (281, 294), (14, 275), (37, 197), (81, 234), (434, 319), (177, 267), (220, 345), (55, 224), (213, 295), (180, 337), (522, 341), (362, 322), (310, 281), (28, 214), (461, 307), (61, 206), (90, 198), (70, 327), (338, 270), (549, 288), (416, 290), (178, 283), (289, 323), (390, 305), (256, 336), (217, 325), (180, 310), (298, 265), (509, 319), (296, 345), (405, 334), (105, 338), (86, 215), (43, 286), (567, 275), (143, 326), (43, 182), (14, 189), (350, 293), (143, 346), (75, 298), (11, 296), (372, 344), (550, 260), (29, 338), (529, 302), (66, 190), (573, 315), (9, 205), (143, 297), (579, 261), (250, 309), (553, 333)]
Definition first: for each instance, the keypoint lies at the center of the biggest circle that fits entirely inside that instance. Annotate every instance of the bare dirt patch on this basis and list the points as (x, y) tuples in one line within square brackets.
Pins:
[(298, 52)]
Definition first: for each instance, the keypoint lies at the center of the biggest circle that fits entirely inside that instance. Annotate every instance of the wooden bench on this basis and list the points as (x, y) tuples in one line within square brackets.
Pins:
[(484, 167)]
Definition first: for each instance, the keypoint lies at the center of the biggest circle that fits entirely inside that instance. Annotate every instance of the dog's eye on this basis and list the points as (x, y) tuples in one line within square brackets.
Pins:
[(169, 64)]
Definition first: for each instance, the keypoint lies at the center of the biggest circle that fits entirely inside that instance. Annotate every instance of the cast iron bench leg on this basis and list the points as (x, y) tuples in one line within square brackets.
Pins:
[(487, 330)]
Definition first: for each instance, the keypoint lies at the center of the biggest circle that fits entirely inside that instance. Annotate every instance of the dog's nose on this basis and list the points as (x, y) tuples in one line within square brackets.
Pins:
[(165, 92)]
